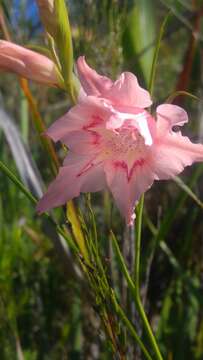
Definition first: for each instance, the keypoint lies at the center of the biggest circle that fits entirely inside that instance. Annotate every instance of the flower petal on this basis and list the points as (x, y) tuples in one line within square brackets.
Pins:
[(94, 180), (80, 174), (92, 82), (173, 153), (126, 91), (169, 115), (142, 125), (141, 121), (62, 189), (127, 191), (88, 114), (83, 142)]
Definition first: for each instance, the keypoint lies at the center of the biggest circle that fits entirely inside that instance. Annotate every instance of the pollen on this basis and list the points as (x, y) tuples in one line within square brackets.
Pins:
[(124, 141)]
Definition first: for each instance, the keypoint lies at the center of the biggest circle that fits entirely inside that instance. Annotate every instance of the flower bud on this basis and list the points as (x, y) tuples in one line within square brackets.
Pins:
[(48, 15), (54, 15), (28, 64)]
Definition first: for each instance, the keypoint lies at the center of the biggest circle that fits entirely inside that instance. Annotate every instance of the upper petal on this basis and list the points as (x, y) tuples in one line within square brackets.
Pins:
[(92, 82), (169, 115), (126, 91)]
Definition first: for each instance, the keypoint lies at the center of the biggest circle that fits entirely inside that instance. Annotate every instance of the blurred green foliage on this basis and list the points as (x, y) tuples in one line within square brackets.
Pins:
[(45, 313)]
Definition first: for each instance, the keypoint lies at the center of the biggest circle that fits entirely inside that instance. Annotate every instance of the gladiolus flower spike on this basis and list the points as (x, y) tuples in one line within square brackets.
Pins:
[(115, 143)]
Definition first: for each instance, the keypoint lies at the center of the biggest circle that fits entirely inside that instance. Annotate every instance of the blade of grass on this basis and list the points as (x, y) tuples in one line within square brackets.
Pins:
[(121, 263), (171, 213), (21, 154), (72, 217), (181, 93), (140, 308), (137, 37), (28, 194), (40, 127), (130, 328), (156, 53), (188, 191), (134, 288), (163, 244), (181, 17), (17, 182)]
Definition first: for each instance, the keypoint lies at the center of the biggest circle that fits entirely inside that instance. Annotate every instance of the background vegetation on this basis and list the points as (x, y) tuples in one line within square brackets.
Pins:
[(46, 310)]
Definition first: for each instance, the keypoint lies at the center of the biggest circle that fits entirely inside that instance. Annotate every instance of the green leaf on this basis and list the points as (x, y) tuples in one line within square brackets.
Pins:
[(122, 265), (139, 37), (15, 180), (172, 97), (72, 217), (156, 53), (174, 208), (63, 41), (188, 191)]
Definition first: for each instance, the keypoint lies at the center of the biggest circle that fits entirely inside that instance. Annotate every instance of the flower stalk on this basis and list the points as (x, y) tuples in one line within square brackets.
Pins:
[(132, 330), (139, 216), (134, 285), (138, 302)]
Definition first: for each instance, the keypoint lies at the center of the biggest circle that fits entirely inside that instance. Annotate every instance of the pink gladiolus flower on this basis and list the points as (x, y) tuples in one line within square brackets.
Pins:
[(28, 64), (115, 143)]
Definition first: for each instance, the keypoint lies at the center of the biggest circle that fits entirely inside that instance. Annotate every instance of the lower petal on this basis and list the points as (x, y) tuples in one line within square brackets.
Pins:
[(61, 190), (173, 154), (90, 113), (127, 191), (169, 115), (83, 142), (80, 174)]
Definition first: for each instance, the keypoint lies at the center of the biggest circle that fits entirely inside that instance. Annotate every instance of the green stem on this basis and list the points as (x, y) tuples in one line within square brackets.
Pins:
[(130, 283), (131, 330), (156, 53), (134, 286), (139, 212), (138, 302), (122, 264), (17, 182), (138, 230)]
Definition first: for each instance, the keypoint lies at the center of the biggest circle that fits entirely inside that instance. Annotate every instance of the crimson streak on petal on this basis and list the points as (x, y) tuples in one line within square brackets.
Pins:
[(123, 165)]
